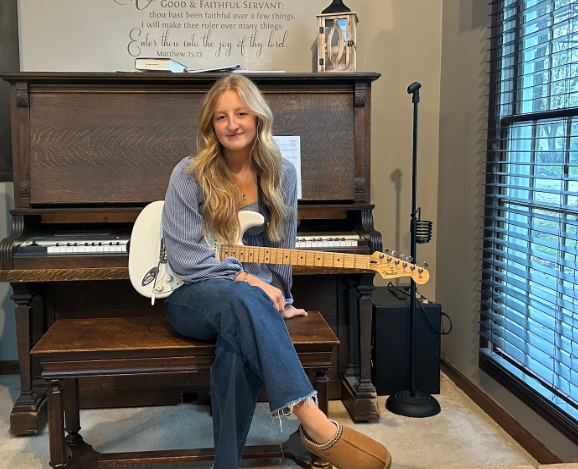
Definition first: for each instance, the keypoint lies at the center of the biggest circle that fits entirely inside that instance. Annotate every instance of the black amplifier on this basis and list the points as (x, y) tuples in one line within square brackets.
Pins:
[(392, 346)]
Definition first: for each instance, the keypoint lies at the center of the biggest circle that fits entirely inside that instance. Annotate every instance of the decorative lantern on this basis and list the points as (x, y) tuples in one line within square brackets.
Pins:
[(336, 39)]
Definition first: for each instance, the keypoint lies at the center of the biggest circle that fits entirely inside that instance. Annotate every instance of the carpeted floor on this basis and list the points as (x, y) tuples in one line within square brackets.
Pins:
[(461, 435)]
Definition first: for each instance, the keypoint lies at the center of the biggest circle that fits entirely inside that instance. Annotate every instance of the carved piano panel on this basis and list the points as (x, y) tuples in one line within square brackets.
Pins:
[(103, 145), (94, 138), (325, 123)]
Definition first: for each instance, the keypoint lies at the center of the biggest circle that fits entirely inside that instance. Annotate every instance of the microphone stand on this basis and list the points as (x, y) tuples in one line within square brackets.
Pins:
[(413, 403)]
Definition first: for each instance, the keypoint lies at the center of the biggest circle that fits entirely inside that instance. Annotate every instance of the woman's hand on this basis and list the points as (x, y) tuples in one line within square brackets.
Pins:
[(274, 293), (291, 311)]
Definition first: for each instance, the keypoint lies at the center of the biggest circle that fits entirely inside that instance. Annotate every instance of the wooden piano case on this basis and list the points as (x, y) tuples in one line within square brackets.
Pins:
[(91, 149)]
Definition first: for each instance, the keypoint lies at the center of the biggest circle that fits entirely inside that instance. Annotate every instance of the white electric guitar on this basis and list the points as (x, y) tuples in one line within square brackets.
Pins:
[(151, 275)]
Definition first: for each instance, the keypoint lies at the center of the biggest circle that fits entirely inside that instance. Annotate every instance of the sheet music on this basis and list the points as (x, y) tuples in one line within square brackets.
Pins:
[(290, 147)]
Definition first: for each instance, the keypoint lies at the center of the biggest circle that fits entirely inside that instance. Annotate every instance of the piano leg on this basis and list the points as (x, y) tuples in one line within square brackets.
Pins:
[(28, 414), (357, 391)]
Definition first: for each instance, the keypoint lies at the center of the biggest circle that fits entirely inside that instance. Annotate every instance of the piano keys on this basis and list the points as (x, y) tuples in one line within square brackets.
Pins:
[(328, 241), (117, 242), (74, 243)]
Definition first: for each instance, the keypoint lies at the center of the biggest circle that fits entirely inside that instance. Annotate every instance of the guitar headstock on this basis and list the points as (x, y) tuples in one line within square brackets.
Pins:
[(389, 266)]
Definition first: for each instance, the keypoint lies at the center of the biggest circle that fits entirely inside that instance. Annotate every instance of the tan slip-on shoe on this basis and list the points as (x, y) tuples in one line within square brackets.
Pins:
[(349, 449)]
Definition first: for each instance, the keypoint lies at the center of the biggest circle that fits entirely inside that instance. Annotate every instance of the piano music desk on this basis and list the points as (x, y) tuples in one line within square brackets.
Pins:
[(76, 348)]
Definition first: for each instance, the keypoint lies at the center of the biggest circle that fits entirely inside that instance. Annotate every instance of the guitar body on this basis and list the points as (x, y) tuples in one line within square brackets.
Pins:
[(148, 269), (149, 272), (247, 219)]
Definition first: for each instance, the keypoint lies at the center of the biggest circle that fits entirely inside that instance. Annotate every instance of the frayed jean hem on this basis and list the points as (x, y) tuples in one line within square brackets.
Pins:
[(287, 409)]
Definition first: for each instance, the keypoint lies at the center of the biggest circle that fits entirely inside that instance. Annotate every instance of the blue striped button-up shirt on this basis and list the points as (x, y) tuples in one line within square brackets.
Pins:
[(188, 254)]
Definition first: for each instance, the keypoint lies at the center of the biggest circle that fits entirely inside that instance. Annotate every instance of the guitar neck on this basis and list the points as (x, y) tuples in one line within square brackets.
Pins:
[(302, 257)]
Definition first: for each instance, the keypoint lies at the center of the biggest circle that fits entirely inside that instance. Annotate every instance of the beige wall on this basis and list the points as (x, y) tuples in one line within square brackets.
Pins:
[(407, 49), (462, 123)]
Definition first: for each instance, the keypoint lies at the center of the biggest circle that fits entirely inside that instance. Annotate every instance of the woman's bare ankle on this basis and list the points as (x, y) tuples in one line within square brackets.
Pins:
[(318, 427), (322, 433)]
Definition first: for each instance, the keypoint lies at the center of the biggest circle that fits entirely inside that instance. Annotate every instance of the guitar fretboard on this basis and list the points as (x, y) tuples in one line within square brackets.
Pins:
[(308, 258)]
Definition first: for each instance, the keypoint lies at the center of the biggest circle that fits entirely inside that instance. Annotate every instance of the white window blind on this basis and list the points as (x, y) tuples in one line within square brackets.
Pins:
[(529, 306)]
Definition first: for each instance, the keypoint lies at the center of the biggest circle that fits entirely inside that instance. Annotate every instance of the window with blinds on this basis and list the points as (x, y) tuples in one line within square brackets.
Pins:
[(529, 312)]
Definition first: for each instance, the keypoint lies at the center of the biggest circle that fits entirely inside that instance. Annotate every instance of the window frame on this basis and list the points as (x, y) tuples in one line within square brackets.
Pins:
[(498, 132)]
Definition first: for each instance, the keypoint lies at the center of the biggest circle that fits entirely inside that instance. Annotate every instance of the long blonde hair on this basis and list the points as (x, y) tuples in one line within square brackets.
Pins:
[(209, 166)]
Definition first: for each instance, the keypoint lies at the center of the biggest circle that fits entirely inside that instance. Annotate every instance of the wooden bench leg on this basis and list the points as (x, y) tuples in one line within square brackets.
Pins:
[(58, 456), (322, 388), (71, 411)]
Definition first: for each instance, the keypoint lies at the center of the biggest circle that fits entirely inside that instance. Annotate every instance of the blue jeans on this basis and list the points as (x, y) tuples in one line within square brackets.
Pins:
[(253, 348)]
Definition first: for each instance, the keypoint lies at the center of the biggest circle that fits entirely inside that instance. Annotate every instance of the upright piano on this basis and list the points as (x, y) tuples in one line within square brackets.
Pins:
[(90, 150)]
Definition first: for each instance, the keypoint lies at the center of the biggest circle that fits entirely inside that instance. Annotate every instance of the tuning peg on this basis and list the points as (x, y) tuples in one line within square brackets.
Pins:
[(396, 262), (404, 264), (388, 259), (401, 256), (416, 261), (426, 265), (412, 267), (409, 259), (381, 256), (386, 250), (394, 253), (420, 270)]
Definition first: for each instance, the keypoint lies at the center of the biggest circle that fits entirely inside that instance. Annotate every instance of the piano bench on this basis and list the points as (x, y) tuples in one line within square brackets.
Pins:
[(78, 348)]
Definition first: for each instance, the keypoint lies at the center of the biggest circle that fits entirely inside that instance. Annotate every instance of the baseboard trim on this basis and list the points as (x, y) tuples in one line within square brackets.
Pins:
[(9, 367), (510, 425)]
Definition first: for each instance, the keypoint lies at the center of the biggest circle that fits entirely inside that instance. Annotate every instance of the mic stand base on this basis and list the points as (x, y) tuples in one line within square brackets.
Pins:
[(419, 405)]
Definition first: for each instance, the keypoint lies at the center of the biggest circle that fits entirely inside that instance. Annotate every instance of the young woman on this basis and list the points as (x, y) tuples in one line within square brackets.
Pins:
[(239, 167)]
